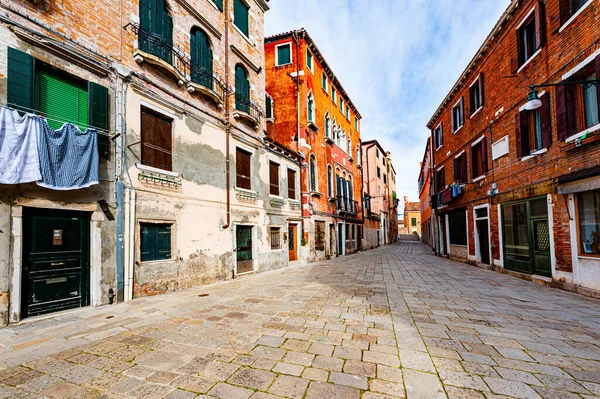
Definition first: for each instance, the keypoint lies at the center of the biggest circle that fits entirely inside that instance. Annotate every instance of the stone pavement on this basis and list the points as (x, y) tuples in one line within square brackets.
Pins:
[(388, 323)]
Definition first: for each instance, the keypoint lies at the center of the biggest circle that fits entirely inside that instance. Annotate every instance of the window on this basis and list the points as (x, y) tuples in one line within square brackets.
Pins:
[(333, 94), (527, 39), (460, 168), (377, 152), (476, 96), (155, 19), (577, 105), (357, 153), (479, 158), (242, 89), (313, 174), (533, 130), (457, 222), (273, 178), (219, 4), (384, 179), (275, 233), (568, 8), (242, 169), (201, 57), (327, 125), (356, 124), (310, 104), (588, 215), (378, 172), (440, 180), (413, 222), (269, 106), (324, 82), (309, 60), (458, 115), (240, 16), (156, 140), (341, 105), (283, 54), (438, 136), (320, 236), (347, 112), (329, 181), (155, 241), (291, 181)]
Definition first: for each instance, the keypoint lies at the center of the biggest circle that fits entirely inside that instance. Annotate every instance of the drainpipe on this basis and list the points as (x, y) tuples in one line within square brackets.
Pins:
[(227, 122), (362, 192), (297, 43), (436, 224), (120, 238)]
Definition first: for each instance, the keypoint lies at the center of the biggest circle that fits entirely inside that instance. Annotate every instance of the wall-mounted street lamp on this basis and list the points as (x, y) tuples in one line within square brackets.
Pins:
[(533, 100)]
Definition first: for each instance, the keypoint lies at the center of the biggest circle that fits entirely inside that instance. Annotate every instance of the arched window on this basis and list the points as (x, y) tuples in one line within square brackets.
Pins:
[(156, 29), (338, 183), (327, 126), (335, 131), (202, 58), (329, 182), (349, 147), (313, 173), (242, 89), (350, 193), (311, 107), (357, 154)]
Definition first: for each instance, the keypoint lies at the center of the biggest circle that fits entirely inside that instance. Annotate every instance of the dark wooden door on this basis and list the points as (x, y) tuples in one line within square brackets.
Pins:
[(484, 241), (340, 239), (292, 242), (244, 256), (55, 261)]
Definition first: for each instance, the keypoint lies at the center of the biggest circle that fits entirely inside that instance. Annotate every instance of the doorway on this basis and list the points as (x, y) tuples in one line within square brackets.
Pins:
[(331, 239), (244, 249), (56, 261), (482, 234), (293, 242), (340, 239)]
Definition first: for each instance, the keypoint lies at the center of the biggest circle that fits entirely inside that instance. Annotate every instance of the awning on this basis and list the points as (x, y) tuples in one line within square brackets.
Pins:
[(578, 186)]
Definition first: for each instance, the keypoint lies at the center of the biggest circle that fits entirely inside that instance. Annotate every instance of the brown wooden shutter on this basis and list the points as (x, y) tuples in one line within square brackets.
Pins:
[(515, 61), (565, 11), (242, 168), (291, 181), (274, 178), (518, 135), (561, 113), (598, 85), (556, 10), (571, 102), (540, 25), (463, 168), (484, 156), (164, 142), (545, 121), (156, 141), (481, 89), (523, 122), (456, 169)]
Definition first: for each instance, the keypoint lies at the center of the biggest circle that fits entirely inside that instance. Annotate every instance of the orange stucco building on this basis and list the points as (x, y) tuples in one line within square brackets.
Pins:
[(308, 110)]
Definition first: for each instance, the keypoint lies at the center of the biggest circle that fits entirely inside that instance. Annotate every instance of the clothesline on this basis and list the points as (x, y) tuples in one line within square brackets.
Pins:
[(54, 118)]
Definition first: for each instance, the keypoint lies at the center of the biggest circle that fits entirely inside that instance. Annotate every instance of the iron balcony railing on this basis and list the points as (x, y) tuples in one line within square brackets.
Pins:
[(243, 104), (346, 204), (164, 49)]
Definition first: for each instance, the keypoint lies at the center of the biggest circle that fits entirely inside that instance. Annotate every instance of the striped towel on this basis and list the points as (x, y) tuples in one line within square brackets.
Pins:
[(18, 147), (68, 157)]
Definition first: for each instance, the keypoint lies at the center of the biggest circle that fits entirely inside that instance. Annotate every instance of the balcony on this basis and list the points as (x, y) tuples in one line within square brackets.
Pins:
[(347, 205), (247, 111), (206, 83)]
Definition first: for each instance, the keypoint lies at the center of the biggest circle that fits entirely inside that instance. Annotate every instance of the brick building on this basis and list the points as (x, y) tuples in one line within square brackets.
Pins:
[(425, 196), (516, 181), (412, 217), (190, 192), (310, 112)]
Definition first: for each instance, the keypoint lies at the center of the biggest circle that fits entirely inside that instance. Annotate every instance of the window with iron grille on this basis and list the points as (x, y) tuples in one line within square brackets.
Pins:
[(275, 237), (319, 236)]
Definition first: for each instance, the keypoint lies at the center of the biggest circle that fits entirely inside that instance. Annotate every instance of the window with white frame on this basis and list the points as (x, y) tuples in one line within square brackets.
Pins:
[(458, 115), (324, 82), (588, 218), (310, 60), (283, 54), (311, 107), (313, 173), (327, 126), (476, 95), (438, 136)]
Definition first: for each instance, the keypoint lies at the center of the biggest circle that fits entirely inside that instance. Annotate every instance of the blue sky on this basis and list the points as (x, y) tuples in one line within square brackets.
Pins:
[(397, 60)]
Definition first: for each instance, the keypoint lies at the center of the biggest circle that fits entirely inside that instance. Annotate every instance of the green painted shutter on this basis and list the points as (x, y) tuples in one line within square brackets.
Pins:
[(242, 90), (219, 4), (147, 243), (162, 242), (269, 105), (21, 68), (240, 16), (98, 116), (61, 98), (202, 59)]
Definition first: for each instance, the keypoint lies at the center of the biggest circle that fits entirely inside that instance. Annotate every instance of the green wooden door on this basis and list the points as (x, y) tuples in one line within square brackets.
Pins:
[(156, 36), (202, 59), (55, 261), (244, 258), (242, 90)]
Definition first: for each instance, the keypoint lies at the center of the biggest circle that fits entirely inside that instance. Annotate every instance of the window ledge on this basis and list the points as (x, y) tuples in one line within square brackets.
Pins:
[(276, 197), (283, 65), (478, 179), (156, 262), (313, 126), (574, 16), (316, 194), (529, 60), (578, 135), (152, 169), (439, 147), (210, 93), (589, 257), (245, 116), (540, 152), (476, 112), (245, 190), (141, 56), (457, 130)]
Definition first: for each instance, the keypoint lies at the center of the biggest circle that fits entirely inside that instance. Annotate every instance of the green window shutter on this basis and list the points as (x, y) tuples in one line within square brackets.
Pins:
[(98, 116), (284, 55), (219, 4), (269, 105), (61, 98), (155, 243), (202, 59), (147, 247), (240, 16), (242, 90), (20, 80), (162, 242)]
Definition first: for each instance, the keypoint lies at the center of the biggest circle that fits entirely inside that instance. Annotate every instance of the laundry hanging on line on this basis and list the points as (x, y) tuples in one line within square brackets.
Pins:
[(65, 159), (19, 160)]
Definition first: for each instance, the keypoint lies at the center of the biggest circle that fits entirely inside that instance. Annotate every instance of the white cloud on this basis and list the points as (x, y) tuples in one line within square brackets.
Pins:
[(397, 59)]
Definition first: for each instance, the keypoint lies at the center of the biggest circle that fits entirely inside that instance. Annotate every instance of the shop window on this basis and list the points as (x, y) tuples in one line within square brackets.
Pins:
[(155, 241), (515, 225), (588, 218)]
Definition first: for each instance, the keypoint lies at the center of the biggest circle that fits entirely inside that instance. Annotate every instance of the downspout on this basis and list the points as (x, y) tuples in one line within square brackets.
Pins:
[(296, 41), (494, 189), (362, 193), (436, 225), (227, 123)]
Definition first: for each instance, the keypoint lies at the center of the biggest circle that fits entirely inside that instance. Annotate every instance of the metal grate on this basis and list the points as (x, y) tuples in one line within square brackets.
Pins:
[(542, 235), (275, 238)]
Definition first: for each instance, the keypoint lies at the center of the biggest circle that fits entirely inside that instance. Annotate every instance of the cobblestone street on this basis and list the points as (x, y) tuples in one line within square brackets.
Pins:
[(388, 323)]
